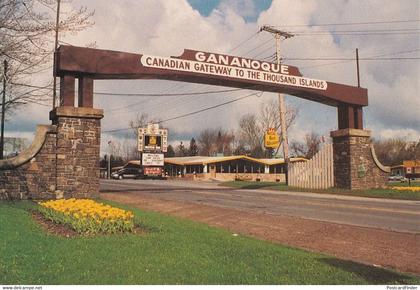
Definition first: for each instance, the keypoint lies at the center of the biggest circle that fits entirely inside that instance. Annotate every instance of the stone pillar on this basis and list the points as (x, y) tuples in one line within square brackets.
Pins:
[(78, 147), (355, 163)]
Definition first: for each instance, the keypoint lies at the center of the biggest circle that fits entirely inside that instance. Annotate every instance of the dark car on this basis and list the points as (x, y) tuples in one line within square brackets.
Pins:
[(128, 173)]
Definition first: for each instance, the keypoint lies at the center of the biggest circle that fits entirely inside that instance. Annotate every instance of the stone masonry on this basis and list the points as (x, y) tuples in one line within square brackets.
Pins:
[(78, 145), (34, 178), (355, 165), (65, 162)]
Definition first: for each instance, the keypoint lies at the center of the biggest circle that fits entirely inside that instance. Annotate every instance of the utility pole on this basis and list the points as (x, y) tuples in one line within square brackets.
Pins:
[(109, 161), (357, 67), (3, 109), (278, 34), (57, 20)]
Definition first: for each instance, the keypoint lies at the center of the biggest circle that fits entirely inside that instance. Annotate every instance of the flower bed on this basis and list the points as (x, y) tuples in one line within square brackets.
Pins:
[(86, 216), (407, 188)]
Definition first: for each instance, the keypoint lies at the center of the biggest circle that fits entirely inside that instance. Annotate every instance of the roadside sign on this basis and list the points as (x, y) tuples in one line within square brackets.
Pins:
[(153, 171), (152, 139), (152, 159), (271, 139)]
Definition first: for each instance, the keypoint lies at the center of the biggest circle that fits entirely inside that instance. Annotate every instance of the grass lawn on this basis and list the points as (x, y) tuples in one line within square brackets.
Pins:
[(380, 193), (175, 251)]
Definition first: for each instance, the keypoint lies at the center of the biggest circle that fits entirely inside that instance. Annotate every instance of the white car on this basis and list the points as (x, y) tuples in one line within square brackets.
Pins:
[(397, 178)]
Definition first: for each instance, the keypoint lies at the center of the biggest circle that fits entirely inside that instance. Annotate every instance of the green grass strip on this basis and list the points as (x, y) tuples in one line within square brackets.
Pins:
[(175, 251), (377, 193)]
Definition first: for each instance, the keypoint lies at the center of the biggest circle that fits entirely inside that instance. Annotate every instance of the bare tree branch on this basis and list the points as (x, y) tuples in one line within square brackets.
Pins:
[(27, 42)]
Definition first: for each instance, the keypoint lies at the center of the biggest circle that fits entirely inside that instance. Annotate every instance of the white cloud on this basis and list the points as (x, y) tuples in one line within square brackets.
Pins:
[(162, 27), (407, 134)]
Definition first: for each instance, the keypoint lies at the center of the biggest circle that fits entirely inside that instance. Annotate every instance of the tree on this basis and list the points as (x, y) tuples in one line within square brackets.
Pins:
[(224, 142), (170, 152), (252, 126), (207, 142), (213, 141), (393, 152), (250, 132), (193, 150), (269, 116), (115, 161), (139, 122), (27, 42), (181, 151), (308, 148)]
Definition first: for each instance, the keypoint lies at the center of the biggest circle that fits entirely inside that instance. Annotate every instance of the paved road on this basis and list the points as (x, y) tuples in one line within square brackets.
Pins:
[(396, 215)]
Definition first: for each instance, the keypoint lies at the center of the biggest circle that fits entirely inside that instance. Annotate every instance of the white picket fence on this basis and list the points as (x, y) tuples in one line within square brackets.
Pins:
[(318, 172)]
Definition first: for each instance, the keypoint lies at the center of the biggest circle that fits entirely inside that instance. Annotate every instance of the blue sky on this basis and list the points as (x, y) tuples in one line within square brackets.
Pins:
[(205, 7)]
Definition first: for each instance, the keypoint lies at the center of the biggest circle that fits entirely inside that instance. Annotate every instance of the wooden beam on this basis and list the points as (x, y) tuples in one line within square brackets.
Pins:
[(106, 64)]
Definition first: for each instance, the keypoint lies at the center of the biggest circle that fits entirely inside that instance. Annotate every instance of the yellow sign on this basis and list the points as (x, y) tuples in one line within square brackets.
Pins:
[(271, 139), (152, 140)]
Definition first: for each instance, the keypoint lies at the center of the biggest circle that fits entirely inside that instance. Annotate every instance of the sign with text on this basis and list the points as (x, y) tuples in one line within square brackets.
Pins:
[(153, 171), (233, 67), (152, 159), (152, 138), (271, 139), (209, 68)]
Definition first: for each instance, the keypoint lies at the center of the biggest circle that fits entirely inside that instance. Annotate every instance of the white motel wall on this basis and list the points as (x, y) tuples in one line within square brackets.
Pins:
[(228, 168)]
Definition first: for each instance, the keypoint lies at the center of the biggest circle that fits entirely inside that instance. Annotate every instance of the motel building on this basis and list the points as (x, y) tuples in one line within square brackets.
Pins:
[(227, 168), (408, 168)]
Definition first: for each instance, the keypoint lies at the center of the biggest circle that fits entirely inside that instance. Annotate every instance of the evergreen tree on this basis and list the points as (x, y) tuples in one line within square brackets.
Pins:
[(170, 152), (181, 150), (193, 150)]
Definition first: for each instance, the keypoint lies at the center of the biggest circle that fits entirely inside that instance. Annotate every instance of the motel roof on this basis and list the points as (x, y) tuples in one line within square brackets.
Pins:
[(202, 160), (407, 163)]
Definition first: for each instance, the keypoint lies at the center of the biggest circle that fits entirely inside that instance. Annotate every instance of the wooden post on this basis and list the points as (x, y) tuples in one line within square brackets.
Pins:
[(85, 93), (67, 91)]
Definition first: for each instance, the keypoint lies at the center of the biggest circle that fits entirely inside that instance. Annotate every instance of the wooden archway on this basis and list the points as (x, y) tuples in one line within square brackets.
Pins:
[(87, 64)]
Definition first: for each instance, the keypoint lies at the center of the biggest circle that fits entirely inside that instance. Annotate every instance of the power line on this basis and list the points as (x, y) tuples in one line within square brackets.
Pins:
[(159, 105), (262, 52), (258, 46), (140, 94), (351, 59), (243, 42), (351, 23), (193, 113), (212, 107), (167, 95), (357, 34), (373, 56), (361, 31)]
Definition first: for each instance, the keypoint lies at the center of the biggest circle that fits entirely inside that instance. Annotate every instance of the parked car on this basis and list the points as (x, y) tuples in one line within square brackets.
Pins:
[(397, 178), (128, 173)]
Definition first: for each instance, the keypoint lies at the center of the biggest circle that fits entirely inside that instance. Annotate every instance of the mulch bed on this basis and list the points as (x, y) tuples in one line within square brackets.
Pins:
[(63, 230)]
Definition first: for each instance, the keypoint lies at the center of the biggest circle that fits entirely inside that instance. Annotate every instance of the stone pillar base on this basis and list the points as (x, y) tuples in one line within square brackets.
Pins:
[(78, 147), (355, 164)]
